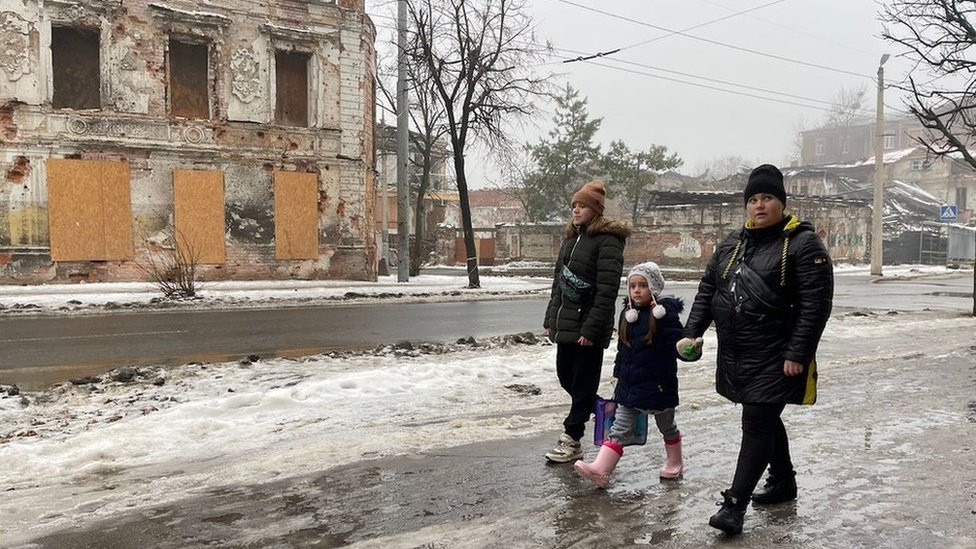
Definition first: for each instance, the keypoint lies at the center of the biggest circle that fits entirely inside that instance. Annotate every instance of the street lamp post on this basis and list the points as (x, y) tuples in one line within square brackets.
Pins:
[(877, 239)]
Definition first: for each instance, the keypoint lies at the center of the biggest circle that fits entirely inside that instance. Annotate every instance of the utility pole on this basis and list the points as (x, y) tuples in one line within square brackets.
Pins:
[(384, 267), (403, 139), (877, 239)]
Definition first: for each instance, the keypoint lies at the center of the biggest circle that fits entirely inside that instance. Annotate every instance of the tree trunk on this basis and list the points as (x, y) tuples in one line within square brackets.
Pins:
[(474, 281), (416, 251)]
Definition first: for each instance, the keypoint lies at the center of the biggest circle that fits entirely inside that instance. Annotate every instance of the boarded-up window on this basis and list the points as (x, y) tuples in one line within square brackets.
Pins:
[(75, 61), (292, 88), (89, 210), (296, 200), (198, 211), (188, 82)]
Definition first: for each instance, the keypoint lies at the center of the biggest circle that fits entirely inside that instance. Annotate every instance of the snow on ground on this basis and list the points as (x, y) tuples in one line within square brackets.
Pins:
[(899, 271), (78, 452), (75, 297), (74, 454), (97, 297)]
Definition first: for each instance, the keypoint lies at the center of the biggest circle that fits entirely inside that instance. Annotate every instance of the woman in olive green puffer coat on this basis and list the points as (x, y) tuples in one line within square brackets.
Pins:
[(580, 315)]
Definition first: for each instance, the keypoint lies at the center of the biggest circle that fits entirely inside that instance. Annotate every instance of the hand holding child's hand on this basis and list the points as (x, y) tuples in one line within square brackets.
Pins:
[(690, 349)]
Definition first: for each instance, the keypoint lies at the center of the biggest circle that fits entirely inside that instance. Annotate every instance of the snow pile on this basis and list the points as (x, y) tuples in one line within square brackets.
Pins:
[(230, 294), (111, 446), (210, 425), (900, 271)]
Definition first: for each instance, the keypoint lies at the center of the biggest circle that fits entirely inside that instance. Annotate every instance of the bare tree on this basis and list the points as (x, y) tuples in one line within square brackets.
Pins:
[(938, 36), (427, 118), (722, 167), (796, 144), (479, 55), (847, 107)]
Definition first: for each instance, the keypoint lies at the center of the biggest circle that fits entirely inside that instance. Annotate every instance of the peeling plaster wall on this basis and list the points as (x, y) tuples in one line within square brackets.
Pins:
[(239, 139)]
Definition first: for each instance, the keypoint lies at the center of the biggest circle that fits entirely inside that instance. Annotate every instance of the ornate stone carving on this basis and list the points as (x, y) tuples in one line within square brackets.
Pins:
[(76, 12), (77, 126), (246, 69), (194, 134), (88, 12), (14, 45)]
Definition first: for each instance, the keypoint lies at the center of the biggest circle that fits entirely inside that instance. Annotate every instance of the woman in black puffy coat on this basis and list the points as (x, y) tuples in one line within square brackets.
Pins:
[(768, 288), (580, 314)]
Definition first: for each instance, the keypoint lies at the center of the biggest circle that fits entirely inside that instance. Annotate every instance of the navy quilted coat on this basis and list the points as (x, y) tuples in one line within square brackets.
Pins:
[(647, 373)]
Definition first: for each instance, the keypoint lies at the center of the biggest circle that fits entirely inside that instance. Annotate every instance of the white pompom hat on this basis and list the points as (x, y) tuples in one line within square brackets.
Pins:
[(655, 282)]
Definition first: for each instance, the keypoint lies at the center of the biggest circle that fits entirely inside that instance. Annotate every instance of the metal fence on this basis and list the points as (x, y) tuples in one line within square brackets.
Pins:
[(962, 243)]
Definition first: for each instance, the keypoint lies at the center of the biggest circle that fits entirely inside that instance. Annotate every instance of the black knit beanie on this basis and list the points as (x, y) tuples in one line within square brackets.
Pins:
[(766, 179)]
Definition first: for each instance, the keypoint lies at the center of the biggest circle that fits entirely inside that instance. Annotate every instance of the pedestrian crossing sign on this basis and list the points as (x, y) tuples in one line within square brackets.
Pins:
[(948, 212)]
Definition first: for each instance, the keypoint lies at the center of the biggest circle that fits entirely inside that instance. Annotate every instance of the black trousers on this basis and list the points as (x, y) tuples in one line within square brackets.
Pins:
[(578, 369), (764, 442)]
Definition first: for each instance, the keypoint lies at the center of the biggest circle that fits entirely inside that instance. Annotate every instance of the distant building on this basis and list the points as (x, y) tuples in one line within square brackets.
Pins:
[(948, 179), (845, 144)]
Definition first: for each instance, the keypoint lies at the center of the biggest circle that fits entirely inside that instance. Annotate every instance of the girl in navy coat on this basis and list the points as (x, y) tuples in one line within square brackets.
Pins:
[(646, 369)]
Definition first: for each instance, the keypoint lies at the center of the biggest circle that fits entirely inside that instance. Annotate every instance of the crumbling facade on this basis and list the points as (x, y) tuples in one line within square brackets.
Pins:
[(683, 230), (239, 133)]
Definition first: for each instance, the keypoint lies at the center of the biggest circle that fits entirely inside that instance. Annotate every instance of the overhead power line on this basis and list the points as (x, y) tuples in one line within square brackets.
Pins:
[(714, 42), (705, 24), (706, 86), (792, 29), (705, 78)]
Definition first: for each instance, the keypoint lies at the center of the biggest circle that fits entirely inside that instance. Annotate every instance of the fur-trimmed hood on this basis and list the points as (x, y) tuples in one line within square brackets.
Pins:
[(601, 225)]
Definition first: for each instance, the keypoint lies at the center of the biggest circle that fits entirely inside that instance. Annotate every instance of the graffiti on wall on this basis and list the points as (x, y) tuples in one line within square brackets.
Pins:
[(687, 248), (848, 239)]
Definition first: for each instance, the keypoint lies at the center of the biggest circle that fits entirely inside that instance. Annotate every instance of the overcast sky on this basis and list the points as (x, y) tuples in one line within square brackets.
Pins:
[(698, 123)]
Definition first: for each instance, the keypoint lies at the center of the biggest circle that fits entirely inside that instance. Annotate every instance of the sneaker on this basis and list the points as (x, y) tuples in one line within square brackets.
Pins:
[(566, 450)]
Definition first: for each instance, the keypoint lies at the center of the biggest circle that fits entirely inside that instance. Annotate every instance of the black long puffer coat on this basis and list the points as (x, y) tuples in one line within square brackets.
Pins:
[(760, 325), (594, 254)]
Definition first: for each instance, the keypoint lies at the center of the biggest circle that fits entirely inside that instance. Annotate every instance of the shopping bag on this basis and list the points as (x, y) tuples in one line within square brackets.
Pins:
[(605, 412)]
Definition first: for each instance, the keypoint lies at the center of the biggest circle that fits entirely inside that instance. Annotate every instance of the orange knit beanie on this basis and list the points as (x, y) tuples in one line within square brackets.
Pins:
[(593, 194)]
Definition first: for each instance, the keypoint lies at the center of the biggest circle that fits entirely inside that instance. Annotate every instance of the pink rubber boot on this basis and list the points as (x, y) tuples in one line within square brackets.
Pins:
[(674, 465), (602, 467)]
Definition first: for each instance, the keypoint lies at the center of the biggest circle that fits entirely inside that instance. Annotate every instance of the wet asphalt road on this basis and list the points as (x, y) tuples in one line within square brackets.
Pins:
[(887, 458), (38, 351)]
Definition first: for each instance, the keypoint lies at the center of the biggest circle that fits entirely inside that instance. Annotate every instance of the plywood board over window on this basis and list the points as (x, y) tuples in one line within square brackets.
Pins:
[(198, 212), (296, 200), (89, 210)]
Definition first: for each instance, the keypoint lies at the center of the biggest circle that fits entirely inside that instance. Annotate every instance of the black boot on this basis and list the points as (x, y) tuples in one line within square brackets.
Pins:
[(729, 518), (777, 489)]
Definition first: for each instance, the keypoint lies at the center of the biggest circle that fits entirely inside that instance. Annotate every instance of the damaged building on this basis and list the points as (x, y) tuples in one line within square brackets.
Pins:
[(682, 229), (238, 133)]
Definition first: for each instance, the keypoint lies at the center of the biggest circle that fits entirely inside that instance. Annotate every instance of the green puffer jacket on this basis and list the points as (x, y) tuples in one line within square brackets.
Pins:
[(594, 253)]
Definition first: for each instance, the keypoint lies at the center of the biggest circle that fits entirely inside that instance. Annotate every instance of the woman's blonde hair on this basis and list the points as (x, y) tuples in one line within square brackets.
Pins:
[(594, 226)]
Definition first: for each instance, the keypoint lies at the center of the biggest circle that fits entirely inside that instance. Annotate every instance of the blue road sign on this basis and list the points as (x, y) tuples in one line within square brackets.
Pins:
[(948, 212)]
